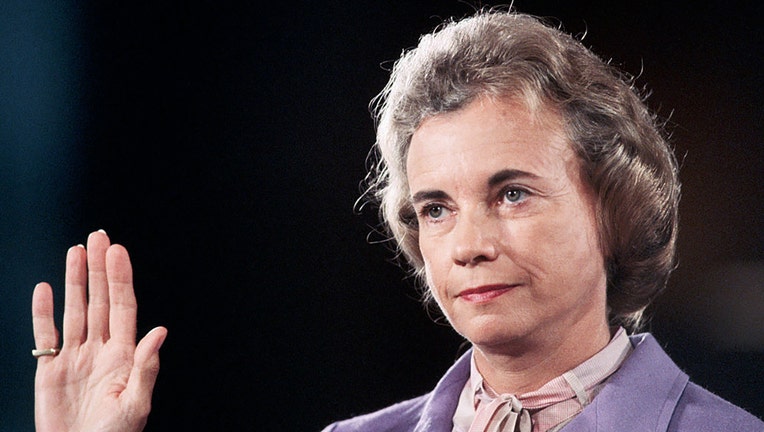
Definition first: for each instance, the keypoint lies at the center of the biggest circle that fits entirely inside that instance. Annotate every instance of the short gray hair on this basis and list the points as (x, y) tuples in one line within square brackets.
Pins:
[(623, 152)]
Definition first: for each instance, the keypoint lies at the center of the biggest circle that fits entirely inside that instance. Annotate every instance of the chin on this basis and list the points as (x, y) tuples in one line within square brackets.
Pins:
[(492, 330)]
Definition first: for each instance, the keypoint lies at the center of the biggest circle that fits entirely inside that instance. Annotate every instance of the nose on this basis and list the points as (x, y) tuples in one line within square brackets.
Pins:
[(474, 239)]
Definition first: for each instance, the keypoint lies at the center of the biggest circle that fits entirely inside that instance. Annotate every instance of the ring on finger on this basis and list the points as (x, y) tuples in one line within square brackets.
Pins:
[(45, 352)]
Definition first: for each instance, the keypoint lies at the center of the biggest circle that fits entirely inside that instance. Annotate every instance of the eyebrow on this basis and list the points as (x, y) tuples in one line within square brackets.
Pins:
[(509, 174), (428, 195), (496, 179)]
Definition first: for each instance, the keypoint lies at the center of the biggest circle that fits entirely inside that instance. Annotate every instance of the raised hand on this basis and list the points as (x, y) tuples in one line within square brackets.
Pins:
[(100, 380)]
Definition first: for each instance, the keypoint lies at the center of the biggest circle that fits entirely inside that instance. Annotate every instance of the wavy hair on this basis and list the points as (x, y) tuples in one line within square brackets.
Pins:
[(623, 152)]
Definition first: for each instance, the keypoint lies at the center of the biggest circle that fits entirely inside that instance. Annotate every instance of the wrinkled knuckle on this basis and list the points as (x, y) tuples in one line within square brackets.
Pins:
[(151, 368), (145, 408), (141, 408)]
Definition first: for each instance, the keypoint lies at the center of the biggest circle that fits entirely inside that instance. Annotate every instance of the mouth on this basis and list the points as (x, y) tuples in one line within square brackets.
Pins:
[(485, 293)]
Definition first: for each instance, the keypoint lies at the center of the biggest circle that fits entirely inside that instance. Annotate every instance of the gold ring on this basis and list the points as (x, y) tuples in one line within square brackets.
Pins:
[(45, 352)]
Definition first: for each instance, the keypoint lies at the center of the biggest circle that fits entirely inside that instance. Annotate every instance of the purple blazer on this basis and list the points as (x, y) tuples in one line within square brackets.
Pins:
[(648, 393)]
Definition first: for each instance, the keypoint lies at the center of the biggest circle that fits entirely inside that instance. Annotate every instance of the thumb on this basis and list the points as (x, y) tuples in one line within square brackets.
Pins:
[(143, 376)]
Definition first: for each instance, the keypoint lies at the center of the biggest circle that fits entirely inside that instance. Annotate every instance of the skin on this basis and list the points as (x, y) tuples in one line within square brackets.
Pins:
[(508, 232), (101, 380)]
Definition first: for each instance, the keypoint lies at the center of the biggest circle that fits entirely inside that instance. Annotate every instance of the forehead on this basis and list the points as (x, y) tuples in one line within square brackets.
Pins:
[(487, 135)]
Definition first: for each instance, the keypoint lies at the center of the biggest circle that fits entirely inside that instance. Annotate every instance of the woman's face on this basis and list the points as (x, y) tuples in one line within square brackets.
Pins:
[(507, 227)]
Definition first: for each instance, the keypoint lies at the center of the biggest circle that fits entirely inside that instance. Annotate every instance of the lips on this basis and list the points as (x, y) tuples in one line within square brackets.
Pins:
[(485, 293)]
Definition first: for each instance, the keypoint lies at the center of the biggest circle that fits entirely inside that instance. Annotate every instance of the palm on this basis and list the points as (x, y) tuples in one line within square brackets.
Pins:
[(100, 381)]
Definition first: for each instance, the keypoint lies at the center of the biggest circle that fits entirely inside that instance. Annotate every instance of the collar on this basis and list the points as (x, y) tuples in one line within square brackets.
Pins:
[(560, 399), (642, 393), (585, 376)]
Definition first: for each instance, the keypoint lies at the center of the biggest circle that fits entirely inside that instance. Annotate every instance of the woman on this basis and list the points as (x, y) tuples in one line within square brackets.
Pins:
[(536, 199)]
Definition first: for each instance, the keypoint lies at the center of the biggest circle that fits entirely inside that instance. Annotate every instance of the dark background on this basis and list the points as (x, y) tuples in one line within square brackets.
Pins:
[(224, 145)]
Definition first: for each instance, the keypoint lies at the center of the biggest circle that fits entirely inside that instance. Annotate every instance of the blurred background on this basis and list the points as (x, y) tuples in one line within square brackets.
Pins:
[(224, 145)]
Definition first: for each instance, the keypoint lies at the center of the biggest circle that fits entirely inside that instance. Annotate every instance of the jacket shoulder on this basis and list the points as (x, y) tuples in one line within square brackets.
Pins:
[(698, 409), (402, 416)]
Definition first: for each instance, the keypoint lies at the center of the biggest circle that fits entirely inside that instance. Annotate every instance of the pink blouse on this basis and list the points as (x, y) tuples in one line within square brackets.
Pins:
[(550, 407)]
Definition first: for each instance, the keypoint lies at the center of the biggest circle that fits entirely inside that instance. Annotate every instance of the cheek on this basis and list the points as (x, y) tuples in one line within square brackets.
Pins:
[(575, 248), (430, 256), (434, 272), (585, 237), (556, 247), (431, 274)]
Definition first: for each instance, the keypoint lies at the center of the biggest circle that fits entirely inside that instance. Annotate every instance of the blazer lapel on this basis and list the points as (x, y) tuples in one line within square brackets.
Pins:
[(439, 409), (640, 396)]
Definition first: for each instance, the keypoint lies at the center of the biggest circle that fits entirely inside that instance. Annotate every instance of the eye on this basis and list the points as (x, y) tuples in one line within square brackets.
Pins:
[(433, 212), (514, 195)]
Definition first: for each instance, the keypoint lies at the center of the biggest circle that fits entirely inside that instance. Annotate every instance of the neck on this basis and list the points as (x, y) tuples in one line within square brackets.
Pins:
[(526, 365)]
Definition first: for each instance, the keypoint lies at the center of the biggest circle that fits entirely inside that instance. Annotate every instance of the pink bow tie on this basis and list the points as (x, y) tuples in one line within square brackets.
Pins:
[(503, 413)]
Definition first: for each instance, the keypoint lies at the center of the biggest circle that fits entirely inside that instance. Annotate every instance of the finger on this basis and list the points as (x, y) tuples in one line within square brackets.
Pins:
[(123, 308), (143, 376), (43, 325), (75, 300), (98, 287)]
